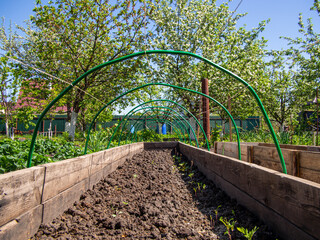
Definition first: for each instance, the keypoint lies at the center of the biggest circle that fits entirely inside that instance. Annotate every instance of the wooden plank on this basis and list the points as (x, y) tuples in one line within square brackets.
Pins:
[(100, 160), (293, 147), (62, 175), (20, 191), (215, 147), (285, 194), (268, 157), (295, 199), (309, 174), (295, 163), (136, 148), (282, 226), (310, 160), (155, 145), (231, 149), (55, 206), (250, 155), (24, 226)]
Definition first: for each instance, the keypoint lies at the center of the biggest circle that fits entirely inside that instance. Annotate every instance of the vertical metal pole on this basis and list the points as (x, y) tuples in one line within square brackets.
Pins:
[(230, 123), (205, 107), (317, 116)]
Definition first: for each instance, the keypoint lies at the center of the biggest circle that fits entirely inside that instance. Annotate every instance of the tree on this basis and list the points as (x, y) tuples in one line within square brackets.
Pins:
[(304, 52), (208, 29), (280, 95), (8, 91), (67, 38)]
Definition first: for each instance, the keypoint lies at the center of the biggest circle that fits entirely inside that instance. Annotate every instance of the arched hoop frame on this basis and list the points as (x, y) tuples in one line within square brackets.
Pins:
[(136, 109), (169, 52), (167, 100), (172, 124), (177, 104), (172, 86), (137, 123)]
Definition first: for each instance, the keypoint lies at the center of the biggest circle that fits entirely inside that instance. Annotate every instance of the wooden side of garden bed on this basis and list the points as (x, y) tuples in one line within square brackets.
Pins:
[(301, 161), (290, 205), (39, 194)]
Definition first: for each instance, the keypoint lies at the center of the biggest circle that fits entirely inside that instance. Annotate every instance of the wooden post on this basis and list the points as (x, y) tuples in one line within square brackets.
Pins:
[(55, 130), (295, 161), (205, 108), (250, 155), (230, 122), (317, 117), (215, 147)]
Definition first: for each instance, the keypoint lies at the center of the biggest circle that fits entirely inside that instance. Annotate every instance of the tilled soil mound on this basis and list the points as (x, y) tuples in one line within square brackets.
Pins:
[(154, 195)]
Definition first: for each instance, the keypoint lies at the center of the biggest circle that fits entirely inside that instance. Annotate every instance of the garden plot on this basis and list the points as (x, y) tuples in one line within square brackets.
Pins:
[(154, 195)]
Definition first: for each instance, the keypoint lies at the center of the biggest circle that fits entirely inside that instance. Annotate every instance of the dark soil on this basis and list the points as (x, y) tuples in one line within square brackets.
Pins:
[(153, 196)]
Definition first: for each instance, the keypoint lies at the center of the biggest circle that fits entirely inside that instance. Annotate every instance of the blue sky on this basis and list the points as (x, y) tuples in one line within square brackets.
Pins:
[(283, 15)]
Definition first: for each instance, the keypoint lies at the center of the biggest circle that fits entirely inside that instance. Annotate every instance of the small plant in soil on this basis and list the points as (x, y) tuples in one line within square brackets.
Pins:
[(216, 212), (116, 213), (246, 233), (214, 220), (195, 191), (229, 225)]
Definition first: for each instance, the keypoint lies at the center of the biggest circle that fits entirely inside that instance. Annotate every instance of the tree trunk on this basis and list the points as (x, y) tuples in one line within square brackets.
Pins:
[(73, 123), (7, 127)]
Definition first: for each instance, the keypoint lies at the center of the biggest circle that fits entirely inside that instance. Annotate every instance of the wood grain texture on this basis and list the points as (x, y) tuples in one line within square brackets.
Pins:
[(24, 226), (65, 174), (20, 191), (295, 200), (55, 206)]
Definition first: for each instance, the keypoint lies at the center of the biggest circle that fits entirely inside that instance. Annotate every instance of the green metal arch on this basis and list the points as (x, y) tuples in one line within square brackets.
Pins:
[(177, 104), (134, 110), (136, 122), (75, 82), (182, 126), (167, 85), (199, 124), (169, 123), (172, 126)]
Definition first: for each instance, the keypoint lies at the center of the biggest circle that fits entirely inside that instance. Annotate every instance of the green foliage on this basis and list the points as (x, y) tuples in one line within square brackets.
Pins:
[(14, 153), (148, 135), (215, 134), (229, 224), (246, 233), (207, 28), (99, 139)]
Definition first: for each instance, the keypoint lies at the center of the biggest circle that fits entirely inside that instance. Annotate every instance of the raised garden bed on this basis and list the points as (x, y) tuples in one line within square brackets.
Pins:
[(153, 195), (301, 161), (38, 195)]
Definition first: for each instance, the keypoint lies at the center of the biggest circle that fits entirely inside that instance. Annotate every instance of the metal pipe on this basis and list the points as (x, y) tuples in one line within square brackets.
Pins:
[(137, 121), (132, 110), (167, 100), (67, 89)]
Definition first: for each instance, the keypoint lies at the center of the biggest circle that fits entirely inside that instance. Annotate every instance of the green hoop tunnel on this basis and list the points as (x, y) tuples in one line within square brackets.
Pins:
[(167, 100), (169, 123), (181, 127), (75, 82), (177, 104), (133, 111), (136, 122), (173, 86)]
